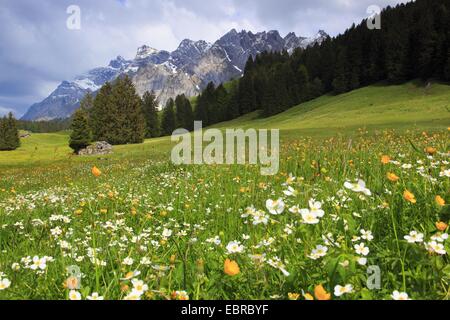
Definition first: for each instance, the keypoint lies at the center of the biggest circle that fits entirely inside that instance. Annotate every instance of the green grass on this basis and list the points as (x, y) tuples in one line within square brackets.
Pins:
[(51, 205)]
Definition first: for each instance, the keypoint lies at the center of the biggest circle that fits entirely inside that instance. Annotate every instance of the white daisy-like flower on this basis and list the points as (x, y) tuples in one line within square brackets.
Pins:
[(275, 207), (38, 263), (128, 261), (361, 249), (133, 295), (434, 247), (396, 295), (319, 252), (359, 187), (4, 283), (94, 296), (316, 208), (366, 235), (414, 237), (309, 217), (74, 295), (235, 247), (340, 290), (290, 192), (139, 286), (167, 233)]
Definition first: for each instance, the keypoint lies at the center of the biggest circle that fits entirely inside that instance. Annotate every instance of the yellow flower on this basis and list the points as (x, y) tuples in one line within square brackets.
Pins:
[(308, 297), (231, 268), (78, 212), (385, 159), (430, 150), (441, 226), (321, 293), (96, 172), (409, 196), (104, 211), (293, 296), (440, 201), (392, 177)]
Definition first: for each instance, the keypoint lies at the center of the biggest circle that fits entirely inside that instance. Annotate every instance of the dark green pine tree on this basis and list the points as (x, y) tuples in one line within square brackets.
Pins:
[(150, 110), (232, 111), (101, 117), (81, 136), (168, 123), (188, 115), (129, 118), (9, 133), (340, 82), (222, 98), (183, 113), (201, 110), (247, 97)]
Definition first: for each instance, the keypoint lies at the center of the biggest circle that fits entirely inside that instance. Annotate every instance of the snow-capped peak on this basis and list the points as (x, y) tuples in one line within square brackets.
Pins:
[(145, 51)]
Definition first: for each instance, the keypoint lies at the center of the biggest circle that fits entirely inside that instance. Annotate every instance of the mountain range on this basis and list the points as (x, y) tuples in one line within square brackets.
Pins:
[(187, 70)]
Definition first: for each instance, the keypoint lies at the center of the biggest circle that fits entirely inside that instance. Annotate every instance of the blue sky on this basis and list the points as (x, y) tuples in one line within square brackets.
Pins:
[(38, 51)]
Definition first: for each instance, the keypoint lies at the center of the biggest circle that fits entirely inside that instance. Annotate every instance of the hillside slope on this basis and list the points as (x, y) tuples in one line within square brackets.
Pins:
[(403, 106)]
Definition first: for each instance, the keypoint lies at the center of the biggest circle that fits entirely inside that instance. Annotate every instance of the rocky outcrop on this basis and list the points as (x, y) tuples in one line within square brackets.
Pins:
[(97, 148)]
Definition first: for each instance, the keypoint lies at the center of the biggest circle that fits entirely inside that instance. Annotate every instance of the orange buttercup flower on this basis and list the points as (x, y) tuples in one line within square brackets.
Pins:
[(231, 268), (409, 196), (321, 293), (392, 177), (441, 226), (96, 172), (440, 201), (430, 150), (385, 159)]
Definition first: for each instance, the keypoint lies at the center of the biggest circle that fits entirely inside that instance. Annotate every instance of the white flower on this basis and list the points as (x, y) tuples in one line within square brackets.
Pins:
[(275, 207), (309, 217), (361, 249), (167, 233), (94, 296), (400, 295), (362, 261), (295, 209), (366, 235), (435, 247), (133, 295), (290, 192), (4, 283), (74, 295), (359, 187), (278, 264), (145, 261), (128, 261), (340, 290), (235, 247), (445, 173), (319, 252), (39, 263), (139, 286), (316, 208), (414, 237), (260, 217)]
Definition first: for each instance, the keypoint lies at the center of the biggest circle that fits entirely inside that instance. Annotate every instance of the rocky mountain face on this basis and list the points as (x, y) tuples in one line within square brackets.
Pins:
[(187, 70)]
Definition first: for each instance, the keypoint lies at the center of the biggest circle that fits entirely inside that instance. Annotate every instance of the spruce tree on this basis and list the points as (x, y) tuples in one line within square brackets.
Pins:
[(149, 106), (80, 136), (101, 117), (168, 123), (9, 133)]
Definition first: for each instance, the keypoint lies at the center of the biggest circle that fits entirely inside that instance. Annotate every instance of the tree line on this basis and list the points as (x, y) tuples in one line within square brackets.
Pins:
[(9, 133)]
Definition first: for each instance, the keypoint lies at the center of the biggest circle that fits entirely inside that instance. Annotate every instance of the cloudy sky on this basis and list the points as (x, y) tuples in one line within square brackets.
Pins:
[(37, 50)]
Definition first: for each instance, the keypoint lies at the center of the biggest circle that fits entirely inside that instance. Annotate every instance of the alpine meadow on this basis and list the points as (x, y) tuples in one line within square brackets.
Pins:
[(94, 207)]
